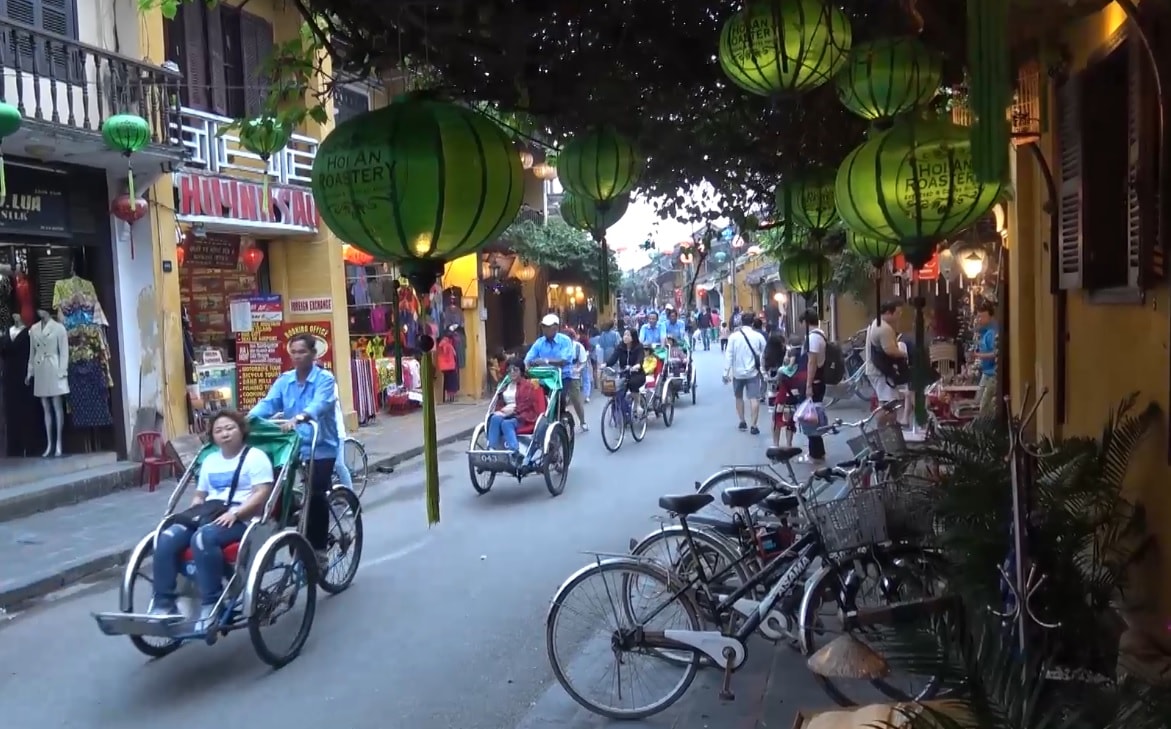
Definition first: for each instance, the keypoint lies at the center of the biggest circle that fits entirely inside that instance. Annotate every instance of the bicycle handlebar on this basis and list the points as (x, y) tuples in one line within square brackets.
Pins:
[(833, 428)]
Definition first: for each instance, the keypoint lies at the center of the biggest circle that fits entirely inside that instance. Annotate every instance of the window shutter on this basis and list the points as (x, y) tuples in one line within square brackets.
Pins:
[(217, 80), (194, 50), (1068, 248), (1145, 258), (349, 103), (256, 48)]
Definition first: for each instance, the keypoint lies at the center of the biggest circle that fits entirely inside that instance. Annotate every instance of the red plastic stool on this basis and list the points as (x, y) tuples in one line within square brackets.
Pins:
[(154, 459)]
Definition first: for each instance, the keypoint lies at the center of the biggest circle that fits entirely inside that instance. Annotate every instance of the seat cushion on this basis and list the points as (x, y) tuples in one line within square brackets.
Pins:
[(526, 428), (230, 553)]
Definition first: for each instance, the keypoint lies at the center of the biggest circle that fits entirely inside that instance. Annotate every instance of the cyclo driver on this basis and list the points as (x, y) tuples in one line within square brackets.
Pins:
[(555, 349), (309, 392)]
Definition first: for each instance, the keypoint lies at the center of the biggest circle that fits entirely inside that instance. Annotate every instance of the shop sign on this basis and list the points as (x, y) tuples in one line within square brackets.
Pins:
[(246, 312), (315, 305), (208, 199), (263, 354), (930, 270), (36, 203), (215, 253)]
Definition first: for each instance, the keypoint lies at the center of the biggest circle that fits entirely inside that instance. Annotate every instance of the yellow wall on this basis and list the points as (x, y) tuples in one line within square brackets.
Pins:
[(1112, 350), (464, 272), (746, 297)]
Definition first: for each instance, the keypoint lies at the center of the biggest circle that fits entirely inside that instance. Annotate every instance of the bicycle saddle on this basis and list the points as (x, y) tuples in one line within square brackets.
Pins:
[(781, 505), (685, 505), (742, 497), (782, 455)]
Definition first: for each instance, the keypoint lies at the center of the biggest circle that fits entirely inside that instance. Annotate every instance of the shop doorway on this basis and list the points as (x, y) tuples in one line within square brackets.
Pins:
[(504, 328)]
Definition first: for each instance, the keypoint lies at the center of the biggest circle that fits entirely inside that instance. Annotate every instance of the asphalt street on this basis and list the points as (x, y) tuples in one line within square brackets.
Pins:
[(443, 626)]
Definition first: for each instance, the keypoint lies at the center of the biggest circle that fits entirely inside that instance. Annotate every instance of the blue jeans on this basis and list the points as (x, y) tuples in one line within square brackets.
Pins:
[(207, 546), (502, 428), (587, 381), (342, 471)]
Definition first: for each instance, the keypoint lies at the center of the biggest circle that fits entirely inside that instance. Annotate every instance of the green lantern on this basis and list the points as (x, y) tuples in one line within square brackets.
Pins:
[(600, 164), (126, 133), (913, 184), (808, 201), (264, 137), (584, 214), (421, 182), (887, 77), (784, 46), (877, 251), (805, 271), (10, 121)]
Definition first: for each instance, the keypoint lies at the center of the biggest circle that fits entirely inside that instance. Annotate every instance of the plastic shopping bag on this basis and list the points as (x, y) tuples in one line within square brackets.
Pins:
[(806, 413)]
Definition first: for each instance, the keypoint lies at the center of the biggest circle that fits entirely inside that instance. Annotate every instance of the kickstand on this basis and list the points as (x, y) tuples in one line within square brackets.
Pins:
[(726, 689)]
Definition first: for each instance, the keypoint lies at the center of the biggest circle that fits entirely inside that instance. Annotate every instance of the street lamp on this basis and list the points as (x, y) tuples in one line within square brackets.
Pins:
[(972, 263)]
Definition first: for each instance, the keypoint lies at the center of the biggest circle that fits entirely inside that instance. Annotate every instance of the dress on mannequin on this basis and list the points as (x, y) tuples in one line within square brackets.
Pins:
[(48, 370), (89, 353), (20, 409)]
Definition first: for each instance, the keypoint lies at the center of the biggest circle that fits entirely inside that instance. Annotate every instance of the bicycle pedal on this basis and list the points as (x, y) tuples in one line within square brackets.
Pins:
[(727, 696)]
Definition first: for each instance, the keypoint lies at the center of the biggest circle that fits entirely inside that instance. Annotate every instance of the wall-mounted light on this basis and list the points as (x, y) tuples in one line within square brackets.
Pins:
[(780, 298), (972, 263), (1000, 215)]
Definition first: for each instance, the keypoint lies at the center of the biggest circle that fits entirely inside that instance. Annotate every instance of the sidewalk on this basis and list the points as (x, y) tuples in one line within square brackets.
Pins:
[(53, 549)]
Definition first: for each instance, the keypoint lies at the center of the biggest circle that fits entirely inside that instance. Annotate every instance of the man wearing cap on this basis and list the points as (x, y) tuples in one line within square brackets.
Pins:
[(555, 349)]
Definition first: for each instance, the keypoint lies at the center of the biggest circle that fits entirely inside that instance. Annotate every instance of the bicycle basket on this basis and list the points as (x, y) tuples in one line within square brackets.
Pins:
[(888, 438), (909, 506), (855, 520), (859, 445), (608, 383)]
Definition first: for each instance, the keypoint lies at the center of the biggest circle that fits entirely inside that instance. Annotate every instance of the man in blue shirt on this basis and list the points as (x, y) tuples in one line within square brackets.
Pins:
[(308, 392), (676, 328), (555, 349), (986, 336), (652, 331)]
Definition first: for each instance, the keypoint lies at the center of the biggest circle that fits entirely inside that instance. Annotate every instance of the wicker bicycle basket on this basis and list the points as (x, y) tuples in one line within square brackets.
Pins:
[(888, 438), (852, 521), (608, 383)]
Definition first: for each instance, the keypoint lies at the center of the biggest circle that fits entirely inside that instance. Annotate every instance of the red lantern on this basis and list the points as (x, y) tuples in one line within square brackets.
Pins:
[(129, 210), (252, 258), (355, 256), (181, 254)]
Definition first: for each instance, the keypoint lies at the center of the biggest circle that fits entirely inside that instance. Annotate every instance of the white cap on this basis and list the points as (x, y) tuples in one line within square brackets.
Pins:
[(550, 320), (669, 307)]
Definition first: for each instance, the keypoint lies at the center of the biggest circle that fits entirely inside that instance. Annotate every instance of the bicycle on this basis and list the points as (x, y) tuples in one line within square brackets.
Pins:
[(353, 454), (620, 410)]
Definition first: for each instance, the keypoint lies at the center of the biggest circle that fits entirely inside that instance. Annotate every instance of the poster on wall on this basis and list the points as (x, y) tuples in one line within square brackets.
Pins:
[(322, 331), (263, 354)]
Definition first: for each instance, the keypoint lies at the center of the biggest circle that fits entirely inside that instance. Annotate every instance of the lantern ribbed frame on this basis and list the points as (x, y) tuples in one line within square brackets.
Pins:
[(264, 136), (804, 271), (873, 249), (10, 119), (583, 213), (418, 180), (810, 201), (126, 133), (784, 46), (887, 77), (600, 164), (913, 184)]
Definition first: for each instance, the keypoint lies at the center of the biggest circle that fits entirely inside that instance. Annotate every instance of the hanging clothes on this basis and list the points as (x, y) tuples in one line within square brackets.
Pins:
[(20, 408), (24, 299), (7, 300), (90, 379)]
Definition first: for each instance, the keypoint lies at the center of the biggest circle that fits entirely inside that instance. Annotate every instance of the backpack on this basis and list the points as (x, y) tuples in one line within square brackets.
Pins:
[(896, 370), (833, 369)]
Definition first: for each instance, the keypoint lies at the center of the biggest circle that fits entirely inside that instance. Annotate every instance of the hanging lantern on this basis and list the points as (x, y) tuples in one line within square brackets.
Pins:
[(264, 137), (875, 250), (180, 254), (686, 259), (421, 182), (126, 133), (948, 268), (753, 250), (913, 184), (582, 213), (526, 157), (805, 271), (129, 210), (526, 272), (600, 164), (784, 46), (544, 171), (10, 121), (887, 77), (252, 257), (356, 256), (808, 201)]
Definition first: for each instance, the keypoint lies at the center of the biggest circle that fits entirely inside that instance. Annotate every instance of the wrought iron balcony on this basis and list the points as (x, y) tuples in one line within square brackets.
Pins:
[(207, 148), (58, 82)]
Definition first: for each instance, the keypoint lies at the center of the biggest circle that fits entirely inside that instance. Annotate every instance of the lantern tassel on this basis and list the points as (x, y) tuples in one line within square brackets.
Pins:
[(264, 197), (130, 181), (3, 179), (422, 275)]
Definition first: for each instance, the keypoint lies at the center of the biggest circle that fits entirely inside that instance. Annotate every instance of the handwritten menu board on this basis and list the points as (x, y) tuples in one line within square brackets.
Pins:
[(263, 353), (207, 294)]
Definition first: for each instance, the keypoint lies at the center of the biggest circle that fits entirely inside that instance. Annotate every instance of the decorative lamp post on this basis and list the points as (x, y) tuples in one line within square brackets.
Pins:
[(126, 133), (913, 184), (784, 46), (887, 77), (264, 137), (420, 182), (10, 121)]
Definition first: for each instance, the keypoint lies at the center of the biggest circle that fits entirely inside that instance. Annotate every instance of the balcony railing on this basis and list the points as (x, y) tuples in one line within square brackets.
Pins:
[(53, 79), (206, 147)]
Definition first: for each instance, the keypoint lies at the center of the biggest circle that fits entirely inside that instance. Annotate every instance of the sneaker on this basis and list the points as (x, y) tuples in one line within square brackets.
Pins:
[(743, 425), (754, 430), (587, 401), (204, 623), (163, 610), (585, 428)]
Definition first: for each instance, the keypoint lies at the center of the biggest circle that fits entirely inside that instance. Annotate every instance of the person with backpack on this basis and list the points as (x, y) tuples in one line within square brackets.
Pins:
[(887, 366), (824, 365)]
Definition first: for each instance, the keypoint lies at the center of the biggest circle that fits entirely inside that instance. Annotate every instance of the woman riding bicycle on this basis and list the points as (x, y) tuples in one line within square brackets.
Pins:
[(628, 354)]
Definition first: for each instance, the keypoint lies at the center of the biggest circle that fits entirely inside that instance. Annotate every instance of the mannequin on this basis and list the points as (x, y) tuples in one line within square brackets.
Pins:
[(19, 406), (48, 371), (90, 380), (17, 327)]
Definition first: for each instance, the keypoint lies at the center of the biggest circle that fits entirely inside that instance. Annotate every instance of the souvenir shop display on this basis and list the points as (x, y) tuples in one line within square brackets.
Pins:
[(18, 405), (89, 376), (48, 373)]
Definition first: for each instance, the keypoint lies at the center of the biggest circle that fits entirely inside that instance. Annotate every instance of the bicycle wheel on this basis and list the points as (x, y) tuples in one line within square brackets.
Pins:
[(669, 409), (638, 423), (613, 618), (613, 426), (669, 547), (874, 579), (354, 456), (345, 541), (735, 477)]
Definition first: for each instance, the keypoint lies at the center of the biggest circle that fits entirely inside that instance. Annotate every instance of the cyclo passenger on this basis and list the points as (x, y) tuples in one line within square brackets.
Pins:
[(517, 408), (627, 357), (303, 393), (676, 329), (233, 487), (555, 349), (651, 332)]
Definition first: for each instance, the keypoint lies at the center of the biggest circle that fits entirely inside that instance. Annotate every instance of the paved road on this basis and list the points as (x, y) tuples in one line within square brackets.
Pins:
[(443, 627)]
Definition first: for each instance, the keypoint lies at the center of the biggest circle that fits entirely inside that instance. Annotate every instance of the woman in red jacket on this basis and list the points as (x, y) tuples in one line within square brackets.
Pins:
[(519, 405)]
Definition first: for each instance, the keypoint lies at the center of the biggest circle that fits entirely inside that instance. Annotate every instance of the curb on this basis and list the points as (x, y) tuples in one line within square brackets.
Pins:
[(14, 596)]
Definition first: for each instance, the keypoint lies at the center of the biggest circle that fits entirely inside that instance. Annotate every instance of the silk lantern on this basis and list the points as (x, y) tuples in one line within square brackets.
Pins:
[(129, 210), (264, 137), (784, 46), (10, 122), (808, 201), (582, 213), (887, 77), (126, 133), (876, 251), (600, 164), (421, 182), (252, 258), (181, 254), (805, 271)]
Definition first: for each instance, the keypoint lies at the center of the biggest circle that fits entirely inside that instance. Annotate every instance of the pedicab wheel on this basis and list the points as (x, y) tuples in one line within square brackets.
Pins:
[(481, 481), (345, 533), (669, 408), (693, 384), (611, 415), (263, 604), (638, 425), (554, 459), (136, 571), (356, 460), (570, 424)]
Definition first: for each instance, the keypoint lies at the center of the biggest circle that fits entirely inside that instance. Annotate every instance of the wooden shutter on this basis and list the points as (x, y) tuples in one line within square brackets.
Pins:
[(1144, 252), (256, 46), (193, 51), (1069, 247), (217, 79)]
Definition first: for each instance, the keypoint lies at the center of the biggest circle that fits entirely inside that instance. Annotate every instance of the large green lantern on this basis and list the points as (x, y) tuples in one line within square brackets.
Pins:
[(420, 182), (784, 46), (877, 251), (583, 213), (264, 137), (600, 164), (808, 201), (887, 77), (805, 271), (913, 184), (126, 133)]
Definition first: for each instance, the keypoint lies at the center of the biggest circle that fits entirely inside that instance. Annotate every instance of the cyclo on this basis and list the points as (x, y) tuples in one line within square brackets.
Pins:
[(248, 600), (550, 456), (680, 374), (660, 398)]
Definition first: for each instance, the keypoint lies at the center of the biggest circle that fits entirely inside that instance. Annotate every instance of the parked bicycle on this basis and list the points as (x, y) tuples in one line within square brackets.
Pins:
[(625, 410)]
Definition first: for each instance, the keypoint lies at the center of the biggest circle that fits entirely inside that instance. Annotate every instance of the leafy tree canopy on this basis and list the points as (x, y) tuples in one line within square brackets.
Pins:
[(850, 273), (570, 255)]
